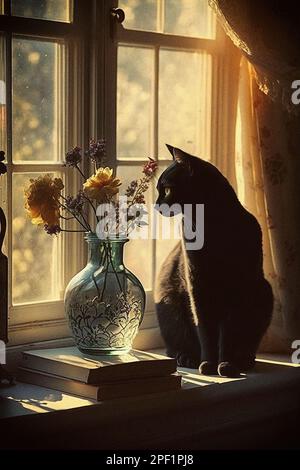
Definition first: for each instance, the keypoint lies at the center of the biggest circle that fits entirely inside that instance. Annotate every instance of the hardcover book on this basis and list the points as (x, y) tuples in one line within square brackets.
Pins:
[(105, 391), (70, 363)]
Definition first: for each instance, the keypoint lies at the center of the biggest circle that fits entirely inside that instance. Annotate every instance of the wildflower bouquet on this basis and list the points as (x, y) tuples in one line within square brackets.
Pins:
[(47, 206), (104, 302)]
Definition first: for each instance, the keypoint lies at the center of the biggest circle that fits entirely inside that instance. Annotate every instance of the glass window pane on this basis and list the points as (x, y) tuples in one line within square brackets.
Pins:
[(2, 96), (181, 17), (140, 14), (138, 253), (35, 255), (134, 102), (37, 100), (56, 10), (189, 18), (185, 102)]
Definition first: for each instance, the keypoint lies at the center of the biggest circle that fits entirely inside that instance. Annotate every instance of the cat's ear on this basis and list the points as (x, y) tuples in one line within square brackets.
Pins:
[(177, 154), (181, 157), (171, 150)]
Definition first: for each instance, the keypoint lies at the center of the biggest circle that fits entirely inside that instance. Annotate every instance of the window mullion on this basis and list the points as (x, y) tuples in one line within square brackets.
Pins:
[(155, 145), (110, 97), (7, 7), (8, 79), (73, 248), (149, 38), (37, 167)]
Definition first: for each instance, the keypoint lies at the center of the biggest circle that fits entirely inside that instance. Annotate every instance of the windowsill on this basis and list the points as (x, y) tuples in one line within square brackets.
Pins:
[(162, 420)]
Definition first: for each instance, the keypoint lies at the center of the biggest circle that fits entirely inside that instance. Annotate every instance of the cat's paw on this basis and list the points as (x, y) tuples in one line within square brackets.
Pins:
[(208, 368), (228, 369), (184, 360)]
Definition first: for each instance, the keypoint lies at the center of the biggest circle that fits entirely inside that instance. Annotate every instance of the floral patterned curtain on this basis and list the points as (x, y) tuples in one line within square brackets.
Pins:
[(267, 158)]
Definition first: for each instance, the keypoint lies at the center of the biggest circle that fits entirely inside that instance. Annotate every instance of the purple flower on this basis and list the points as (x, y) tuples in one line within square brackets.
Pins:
[(96, 151), (73, 157), (140, 199), (75, 204), (131, 188), (52, 229), (150, 167)]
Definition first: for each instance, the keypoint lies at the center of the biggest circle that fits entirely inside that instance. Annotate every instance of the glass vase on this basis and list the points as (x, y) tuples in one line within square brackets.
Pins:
[(105, 302)]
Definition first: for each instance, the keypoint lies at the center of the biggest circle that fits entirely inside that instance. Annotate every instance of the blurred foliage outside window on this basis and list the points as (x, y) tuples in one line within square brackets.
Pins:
[(36, 135), (57, 10)]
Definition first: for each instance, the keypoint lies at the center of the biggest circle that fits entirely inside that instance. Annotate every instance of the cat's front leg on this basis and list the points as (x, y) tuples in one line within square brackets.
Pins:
[(207, 327), (229, 332), (208, 332), (205, 310)]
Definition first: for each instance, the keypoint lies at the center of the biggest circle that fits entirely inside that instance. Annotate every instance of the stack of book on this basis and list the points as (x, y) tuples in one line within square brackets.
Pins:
[(99, 377)]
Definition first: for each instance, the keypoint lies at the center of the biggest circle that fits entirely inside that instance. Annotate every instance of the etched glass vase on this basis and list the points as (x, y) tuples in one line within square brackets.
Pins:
[(105, 302)]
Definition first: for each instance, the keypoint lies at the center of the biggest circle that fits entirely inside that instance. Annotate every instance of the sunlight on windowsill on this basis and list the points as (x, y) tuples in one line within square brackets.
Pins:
[(23, 399)]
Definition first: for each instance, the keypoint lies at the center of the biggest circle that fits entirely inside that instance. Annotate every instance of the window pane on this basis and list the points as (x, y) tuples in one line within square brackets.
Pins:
[(2, 96), (134, 102), (181, 17), (185, 102), (189, 18), (35, 255), (37, 100), (140, 14), (56, 10), (138, 253)]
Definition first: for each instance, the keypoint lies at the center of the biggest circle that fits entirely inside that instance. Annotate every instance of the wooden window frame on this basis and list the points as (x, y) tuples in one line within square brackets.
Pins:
[(45, 320)]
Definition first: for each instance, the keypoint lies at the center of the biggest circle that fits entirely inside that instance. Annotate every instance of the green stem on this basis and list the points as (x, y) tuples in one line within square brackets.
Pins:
[(87, 199), (81, 172), (91, 204), (87, 229), (139, 190), (105, 276), (86, 221), (115, 272)]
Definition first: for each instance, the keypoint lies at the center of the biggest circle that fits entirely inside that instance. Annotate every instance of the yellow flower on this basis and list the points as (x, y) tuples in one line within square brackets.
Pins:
[(42, 200), (102, 186)]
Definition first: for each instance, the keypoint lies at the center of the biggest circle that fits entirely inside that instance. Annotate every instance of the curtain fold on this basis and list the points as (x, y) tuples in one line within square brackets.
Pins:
[(267, 146), (268, 34)]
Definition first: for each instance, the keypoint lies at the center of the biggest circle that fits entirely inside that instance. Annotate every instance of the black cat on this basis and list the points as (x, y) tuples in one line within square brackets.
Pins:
[(213, 304)]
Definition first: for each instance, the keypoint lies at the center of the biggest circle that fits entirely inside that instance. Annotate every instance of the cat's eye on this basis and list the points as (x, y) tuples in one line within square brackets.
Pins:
[(167, 191)]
